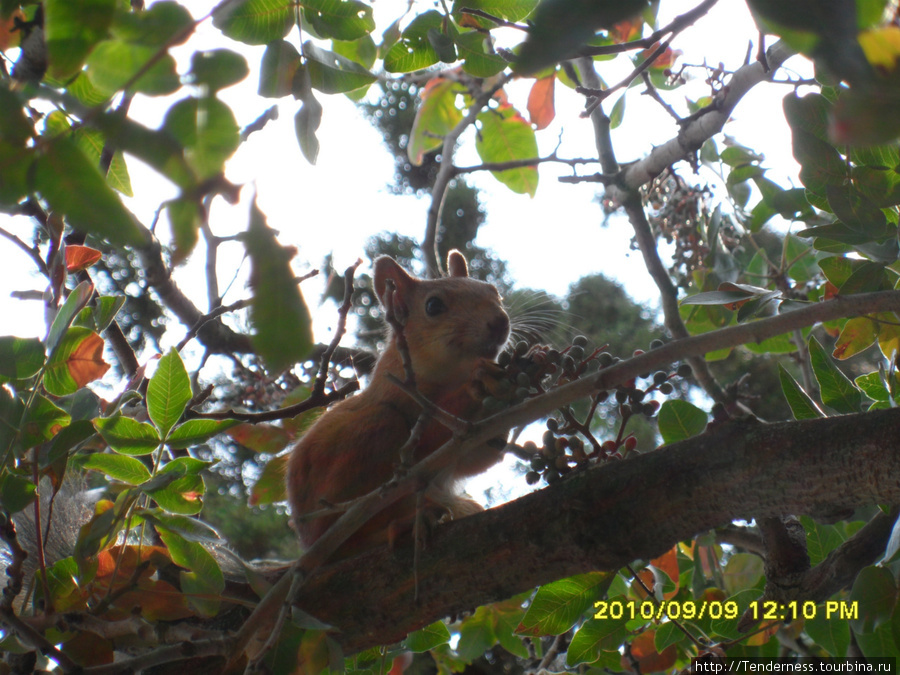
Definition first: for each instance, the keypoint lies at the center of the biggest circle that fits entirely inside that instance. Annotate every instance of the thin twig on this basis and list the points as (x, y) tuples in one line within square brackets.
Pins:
[(343, 311)]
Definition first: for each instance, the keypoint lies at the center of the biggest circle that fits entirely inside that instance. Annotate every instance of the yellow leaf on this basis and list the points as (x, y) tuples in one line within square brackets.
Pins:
[(881, 46)]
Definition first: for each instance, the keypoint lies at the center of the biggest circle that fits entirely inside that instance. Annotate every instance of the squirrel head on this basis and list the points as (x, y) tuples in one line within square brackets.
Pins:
[(451, 324)]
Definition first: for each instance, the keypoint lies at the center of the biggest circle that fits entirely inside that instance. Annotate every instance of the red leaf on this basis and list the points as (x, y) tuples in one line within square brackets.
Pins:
[(80, 257), (540, 102)]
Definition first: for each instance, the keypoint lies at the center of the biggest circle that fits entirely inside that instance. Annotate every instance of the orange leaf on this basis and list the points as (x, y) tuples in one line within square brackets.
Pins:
[(643, 648), (9, 38), (540, 102), (80, 257), (86, 362), (625, 31), (668, 563)]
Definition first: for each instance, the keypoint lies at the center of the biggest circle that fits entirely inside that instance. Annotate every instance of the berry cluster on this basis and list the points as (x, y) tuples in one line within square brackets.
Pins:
[(569, 443)]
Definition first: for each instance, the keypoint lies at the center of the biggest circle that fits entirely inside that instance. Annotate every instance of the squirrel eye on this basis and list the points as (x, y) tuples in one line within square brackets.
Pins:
[(434, 306)]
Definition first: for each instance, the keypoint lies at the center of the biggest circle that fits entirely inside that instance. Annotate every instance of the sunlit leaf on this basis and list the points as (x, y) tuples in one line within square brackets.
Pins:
[(195, 432), (168, 392), (113, 65), (216, 69), (557, 606), (332, 73), (541, 108), (339, 19), (75, 188), (255, 22), (478, 61), (72, 29), (413, 51), (507, 137), (79, 258), (119, 467), (436, 116), (77, 360), (128, 436)]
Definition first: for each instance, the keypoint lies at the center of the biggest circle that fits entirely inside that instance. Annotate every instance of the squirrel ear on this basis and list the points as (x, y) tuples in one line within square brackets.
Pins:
[(456, 263), (387, 268)]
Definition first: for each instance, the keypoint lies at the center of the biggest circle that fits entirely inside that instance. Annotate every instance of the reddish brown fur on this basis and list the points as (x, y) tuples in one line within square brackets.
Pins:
[(353, 448)]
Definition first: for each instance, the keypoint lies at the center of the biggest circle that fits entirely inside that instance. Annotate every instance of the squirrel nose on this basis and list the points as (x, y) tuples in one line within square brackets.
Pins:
[(498, 328)]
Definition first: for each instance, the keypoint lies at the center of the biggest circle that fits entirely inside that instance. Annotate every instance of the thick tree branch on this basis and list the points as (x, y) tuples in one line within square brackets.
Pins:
[(606, 517)]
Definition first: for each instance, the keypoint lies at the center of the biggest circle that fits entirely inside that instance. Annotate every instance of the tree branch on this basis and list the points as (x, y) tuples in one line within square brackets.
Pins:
[(606, 517)]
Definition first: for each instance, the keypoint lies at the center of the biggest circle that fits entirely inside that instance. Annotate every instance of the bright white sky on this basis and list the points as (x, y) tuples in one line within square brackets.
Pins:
[(549, 241)]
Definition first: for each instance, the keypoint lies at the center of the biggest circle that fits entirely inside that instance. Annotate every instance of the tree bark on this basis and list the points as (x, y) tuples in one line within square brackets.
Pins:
[(607, 516)]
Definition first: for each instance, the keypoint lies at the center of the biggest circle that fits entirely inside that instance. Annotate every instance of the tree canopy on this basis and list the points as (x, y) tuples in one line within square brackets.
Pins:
[(713, 476)]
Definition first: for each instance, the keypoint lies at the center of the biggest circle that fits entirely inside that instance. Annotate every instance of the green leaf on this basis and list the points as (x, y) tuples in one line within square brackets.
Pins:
[(207, 129), (189, 528), (195, 432), (71, 29), (561, 27), (277, 69), (181, 486), (333, 74), (76, 301), (595, 636), (558, 606), (75, 188), (339, 19), (478, 61), (821, 165), (113, 65), (618, 112), (436, 116), (428, 638), (16, 493), (820, 539), (831, 635), (510, 10), (873, 386), (362, 51), (679, 420), (255, 22), (282, 323), (168, 392), (836, 390), (506, 136), (119, 467), (306, 123), (42, 421), (185, 219), (876, 593), (802, 406), (269, 487), (128, 436), (203, 584), (413, 51), (159, 25), (20, 358), (105, 309), (77, 360), (11, 411), (217, 69), (66, 440)]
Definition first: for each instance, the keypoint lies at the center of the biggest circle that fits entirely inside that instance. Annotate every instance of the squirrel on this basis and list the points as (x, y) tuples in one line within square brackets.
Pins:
[(454, 328)]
